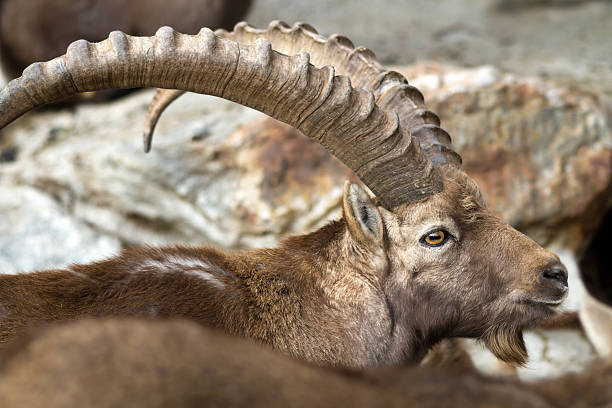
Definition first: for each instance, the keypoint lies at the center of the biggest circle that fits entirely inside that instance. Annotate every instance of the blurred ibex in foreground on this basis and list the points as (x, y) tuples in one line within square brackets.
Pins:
[(422, 260), (38, 30), (138, 363)]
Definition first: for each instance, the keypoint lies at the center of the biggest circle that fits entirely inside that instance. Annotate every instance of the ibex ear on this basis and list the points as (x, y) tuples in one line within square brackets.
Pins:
[(362, 216)]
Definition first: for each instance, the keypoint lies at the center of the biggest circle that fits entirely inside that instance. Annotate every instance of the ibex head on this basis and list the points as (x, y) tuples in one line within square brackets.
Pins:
[(459, 266), (426, 239)]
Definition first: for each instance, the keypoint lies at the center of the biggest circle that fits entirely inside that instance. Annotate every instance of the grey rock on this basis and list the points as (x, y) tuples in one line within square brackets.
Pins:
[(564, 40), (36, 233), (202, 184)]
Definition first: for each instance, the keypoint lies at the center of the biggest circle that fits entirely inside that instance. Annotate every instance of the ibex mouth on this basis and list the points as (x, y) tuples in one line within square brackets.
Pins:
[(541, 309), (543, 301), (550, 294), (552, 302), (552, 306)]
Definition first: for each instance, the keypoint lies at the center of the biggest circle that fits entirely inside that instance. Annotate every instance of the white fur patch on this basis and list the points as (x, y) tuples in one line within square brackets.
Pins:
[(205, 276), (80, 275), (197, 267)]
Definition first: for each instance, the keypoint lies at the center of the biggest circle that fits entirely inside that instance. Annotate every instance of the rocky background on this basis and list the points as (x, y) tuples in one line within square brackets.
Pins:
[(524, 87)]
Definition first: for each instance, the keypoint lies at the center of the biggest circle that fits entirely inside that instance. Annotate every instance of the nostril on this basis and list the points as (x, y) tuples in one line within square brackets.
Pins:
[(556, 273)]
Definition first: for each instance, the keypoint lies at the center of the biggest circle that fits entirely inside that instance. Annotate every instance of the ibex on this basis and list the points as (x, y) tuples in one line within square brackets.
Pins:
[(138, 363), (38, 30), (419, 260)]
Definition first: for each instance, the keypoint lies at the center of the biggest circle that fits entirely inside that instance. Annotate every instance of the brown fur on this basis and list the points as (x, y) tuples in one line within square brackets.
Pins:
[(564, 320), (138, 363), (331, 296), (39, 30), (449, 353)]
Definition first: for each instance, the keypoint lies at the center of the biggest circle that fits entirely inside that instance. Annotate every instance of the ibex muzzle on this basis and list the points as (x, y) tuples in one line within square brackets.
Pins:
[(422, 260)]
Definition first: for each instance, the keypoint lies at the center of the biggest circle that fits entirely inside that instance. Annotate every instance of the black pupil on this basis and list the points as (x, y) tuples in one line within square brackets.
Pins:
[(436, 236)]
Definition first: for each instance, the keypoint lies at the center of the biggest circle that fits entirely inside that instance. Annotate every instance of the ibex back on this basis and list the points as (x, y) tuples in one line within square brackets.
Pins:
[(420, 259)]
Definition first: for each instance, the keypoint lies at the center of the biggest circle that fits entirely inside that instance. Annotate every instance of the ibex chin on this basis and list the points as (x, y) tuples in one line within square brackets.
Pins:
[(138, 363), (419, 260)]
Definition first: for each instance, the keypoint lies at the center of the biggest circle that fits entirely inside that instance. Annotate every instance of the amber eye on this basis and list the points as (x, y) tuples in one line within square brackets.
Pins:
[(435, 238)]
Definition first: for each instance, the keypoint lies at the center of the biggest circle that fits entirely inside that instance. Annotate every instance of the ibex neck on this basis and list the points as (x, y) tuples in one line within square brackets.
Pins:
[(341, 303), (392, 325)]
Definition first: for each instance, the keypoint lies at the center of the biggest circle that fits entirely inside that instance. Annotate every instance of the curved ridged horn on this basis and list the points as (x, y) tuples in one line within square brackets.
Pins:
[(161, 100), (391, 90), (321, 105)]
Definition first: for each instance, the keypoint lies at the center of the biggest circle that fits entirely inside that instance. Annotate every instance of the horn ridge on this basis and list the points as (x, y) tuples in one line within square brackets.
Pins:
[(322, 105), (390, 88)]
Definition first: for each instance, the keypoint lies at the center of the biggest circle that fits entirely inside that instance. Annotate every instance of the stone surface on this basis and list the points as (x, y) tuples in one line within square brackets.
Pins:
[(208, 180), (36, 233), (566, 40)]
